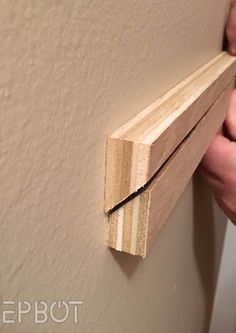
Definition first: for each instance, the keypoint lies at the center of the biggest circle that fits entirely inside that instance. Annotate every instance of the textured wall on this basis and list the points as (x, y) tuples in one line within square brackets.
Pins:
[(70, 73), (223, 318)]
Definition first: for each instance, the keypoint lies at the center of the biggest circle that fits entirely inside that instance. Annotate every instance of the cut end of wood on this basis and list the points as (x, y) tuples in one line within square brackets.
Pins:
[(126, 170), (127, 227)]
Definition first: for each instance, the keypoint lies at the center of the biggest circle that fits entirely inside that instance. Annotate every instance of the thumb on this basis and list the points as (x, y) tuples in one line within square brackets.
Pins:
[(216, 155), (231, 29), (230, 121)]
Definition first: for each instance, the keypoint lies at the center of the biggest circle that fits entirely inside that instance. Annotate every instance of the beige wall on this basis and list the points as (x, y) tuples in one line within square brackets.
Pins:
[(70, 73), (223, 317)]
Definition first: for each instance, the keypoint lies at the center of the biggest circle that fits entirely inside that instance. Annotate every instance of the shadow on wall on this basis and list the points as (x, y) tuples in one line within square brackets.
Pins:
[(205, 242), (127, 262)]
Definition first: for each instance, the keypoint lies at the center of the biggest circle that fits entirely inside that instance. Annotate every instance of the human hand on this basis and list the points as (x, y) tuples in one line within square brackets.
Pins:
[(219, 163)]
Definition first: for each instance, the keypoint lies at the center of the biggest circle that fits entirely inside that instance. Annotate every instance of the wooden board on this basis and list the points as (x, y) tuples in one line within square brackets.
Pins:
[(137, 150), (133, 227)]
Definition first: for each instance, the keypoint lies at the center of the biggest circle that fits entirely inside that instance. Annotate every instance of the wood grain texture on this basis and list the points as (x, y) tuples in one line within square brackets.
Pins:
[(137, 150), (133, 227)]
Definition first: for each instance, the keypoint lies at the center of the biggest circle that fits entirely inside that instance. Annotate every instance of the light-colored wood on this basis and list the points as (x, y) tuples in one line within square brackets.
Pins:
[(137, 150), (133, 227)]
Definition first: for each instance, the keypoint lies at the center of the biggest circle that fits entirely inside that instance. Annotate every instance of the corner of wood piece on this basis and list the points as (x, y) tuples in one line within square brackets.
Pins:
[(127, 228), (127, 163)]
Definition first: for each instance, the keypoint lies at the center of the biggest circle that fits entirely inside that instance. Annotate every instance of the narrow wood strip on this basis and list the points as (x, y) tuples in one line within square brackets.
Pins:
[(135, 221), (127, 227), (150, 138), (142, 225), (120, 221), (112, 231), (155, 203)]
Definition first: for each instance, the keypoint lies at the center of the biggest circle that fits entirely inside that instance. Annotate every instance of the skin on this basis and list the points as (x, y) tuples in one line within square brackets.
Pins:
[(219, 163)]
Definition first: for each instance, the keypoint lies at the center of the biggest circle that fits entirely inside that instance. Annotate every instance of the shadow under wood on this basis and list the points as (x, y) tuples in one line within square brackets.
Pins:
[(205, 243), (126, 261)]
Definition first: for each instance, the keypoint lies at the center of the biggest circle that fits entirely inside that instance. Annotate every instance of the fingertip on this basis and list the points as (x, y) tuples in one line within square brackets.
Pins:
[(230, 120)]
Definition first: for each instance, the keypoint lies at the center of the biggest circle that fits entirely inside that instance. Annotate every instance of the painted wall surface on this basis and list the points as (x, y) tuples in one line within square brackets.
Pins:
[(224, 310), (71, 72)]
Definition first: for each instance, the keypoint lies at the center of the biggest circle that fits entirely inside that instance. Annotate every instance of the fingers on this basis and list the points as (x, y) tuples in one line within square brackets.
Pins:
[(228, 211), (222, 148), (218, 168), (231, 29), (230, 120), (216, 155)]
